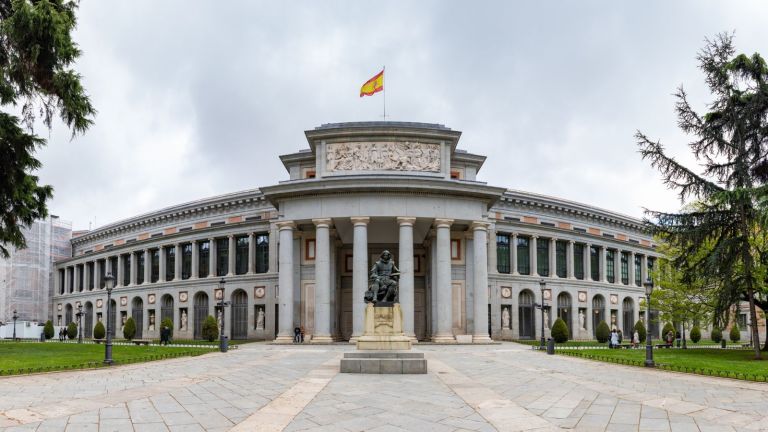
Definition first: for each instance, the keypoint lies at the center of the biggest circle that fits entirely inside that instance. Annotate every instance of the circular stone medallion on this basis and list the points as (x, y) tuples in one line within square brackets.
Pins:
[(506, 292), (259, 292)]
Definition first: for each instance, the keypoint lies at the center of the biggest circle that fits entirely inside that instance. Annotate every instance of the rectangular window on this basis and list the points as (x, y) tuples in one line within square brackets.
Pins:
[(523, 256), (154, 256), (638, 270), (578, 261), (139, 267), (102, 273), (222, 257), (561, 256), (126, 263), (594, 258), (80, 275), (262, 253), (89, 266), (742, 321), (241, 255), (71, 279), (186, 261), (610, 265), (61, 281), (542, 257), (455, 249), (651, 262), (203, 258), (625, 268), (170, 263), (502, 253), (113, 268)]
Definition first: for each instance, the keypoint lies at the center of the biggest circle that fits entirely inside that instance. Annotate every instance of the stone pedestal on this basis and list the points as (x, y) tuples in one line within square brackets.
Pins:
[(383, 329), (374, 362)]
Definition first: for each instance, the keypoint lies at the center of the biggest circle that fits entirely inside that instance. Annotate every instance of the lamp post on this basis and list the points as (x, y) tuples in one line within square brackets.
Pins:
[(15, 317), (648, 346), (109, 280), (79, 315), (221, 305), (543, 287)]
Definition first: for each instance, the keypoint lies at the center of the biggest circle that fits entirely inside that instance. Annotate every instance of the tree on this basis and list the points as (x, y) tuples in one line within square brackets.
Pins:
[(98, 331), (640, 329), (210, 328), (36, 54), (602, 332), (716, 335), (167, 323), (560, 331), (129, 329), (735, 334), (695, 334), (72, 330), (48, 329), (731, 141)]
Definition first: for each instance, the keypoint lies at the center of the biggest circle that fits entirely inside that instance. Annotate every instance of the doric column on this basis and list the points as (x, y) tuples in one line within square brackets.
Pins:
[(479, 240), (161, 258), (617, 267), (119, 273), (553, 257), (322, 281), (406, 274), (75, 278), (631, 270), (603, 260), (644, 269), (569, 261), (251, 252), (532, 255), (177, 263), (148, 267), (195, 259), (443, 290), (231, 256), (493, 259), (359, 273), (513, 254), (86, 276), (133, 268), (285, 282), (587, 261), (212, 259)]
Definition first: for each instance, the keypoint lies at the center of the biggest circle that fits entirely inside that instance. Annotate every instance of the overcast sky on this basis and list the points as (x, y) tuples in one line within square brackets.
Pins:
[(199, 98)]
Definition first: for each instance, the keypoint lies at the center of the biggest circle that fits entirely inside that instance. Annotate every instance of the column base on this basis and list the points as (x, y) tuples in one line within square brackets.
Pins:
[(321, 340), (481, 339), (444, 339), (283, 340), (413, 339), (353, 339)]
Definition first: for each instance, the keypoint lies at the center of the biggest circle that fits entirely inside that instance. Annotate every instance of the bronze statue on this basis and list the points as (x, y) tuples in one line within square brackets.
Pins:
[(383, 280)]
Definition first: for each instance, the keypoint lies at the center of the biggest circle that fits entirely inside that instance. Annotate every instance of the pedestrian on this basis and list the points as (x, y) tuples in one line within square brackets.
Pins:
[(61, 335), (296, 335), (164, 335), (670, 338), (302, 334), (65, 333), (614, 339), (636, 339)]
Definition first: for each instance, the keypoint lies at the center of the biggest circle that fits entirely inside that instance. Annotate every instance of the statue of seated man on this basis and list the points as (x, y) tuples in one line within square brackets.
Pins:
[(383, 281)]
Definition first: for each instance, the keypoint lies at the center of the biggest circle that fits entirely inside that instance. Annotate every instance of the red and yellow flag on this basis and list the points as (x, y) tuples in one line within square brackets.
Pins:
[(373, 85)]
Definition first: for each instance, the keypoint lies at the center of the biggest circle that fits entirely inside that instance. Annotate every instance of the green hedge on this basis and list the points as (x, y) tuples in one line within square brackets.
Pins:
[(560, 331)]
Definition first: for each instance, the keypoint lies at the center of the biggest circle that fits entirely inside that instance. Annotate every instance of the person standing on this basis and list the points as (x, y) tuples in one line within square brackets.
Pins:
[(670, 338), (614, 339), (636, 339)]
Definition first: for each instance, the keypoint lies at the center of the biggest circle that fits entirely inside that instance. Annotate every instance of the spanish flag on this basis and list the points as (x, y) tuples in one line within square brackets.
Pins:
[(373, 85)]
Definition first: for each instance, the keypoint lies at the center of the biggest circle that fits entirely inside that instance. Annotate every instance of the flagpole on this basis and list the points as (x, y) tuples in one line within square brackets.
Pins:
[(383, 69)]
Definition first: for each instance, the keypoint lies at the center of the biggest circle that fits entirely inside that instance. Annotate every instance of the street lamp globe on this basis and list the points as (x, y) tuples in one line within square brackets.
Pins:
[(109, 281), (648, 287)]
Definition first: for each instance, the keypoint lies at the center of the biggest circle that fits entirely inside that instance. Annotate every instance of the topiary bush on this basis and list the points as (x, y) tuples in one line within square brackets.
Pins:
[(168, 323), (735, 334), (668, 327), (560, 331), (716, 335), (72, 330), (602, 332), (640, 329), (695, 334), (98, 331), (210, 328), (129, 329), (48, 329)]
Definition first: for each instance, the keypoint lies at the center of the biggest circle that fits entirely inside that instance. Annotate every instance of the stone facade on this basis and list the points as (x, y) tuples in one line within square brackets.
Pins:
[(298, 252)]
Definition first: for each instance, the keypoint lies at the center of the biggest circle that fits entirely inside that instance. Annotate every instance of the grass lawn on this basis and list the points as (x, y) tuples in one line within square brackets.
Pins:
[(733, 363), (52, 356)]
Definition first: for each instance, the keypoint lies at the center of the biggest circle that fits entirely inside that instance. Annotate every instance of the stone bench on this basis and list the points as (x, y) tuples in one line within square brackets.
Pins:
[(141, 341), (384, 362)]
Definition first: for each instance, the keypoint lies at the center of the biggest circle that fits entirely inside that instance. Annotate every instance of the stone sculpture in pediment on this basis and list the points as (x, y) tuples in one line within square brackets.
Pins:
[(383, 156)]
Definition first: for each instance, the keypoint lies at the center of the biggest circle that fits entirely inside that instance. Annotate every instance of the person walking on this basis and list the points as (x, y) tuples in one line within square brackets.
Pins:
[(614, 339), (64, 330), (61, 335)]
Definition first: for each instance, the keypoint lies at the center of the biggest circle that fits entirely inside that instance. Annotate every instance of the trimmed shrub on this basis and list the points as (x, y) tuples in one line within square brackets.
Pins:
[(98, 331), (560, 331), (735, 334), (210, 328), (668, 327), (129, 329), (72, 330), (716, 335), (48, 329), (168, 323), (695, 334), (602, 332), (640, 329)]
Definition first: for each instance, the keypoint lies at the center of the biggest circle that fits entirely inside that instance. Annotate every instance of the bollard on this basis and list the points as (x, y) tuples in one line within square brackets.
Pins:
[(550, 346)]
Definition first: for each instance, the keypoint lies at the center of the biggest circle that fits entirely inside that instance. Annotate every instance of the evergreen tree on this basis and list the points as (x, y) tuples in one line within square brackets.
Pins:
[(210, 329), (36, 55), (602, 332), (695, 334), (72, 330), (129, 329), (48, 329), (735, 334), (98, 331), (560, 331), (730, 141), (716, 335), (640, 329)]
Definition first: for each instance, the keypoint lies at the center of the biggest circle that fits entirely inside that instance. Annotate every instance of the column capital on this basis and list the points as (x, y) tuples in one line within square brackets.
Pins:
[(231, 236), (572, 241), (360, 220), (322, 223), (406, 220), (444, 223), (479, 225), (285, 225)]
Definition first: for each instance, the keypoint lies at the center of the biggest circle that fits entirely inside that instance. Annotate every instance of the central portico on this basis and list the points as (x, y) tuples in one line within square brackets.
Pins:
[(365, 187)]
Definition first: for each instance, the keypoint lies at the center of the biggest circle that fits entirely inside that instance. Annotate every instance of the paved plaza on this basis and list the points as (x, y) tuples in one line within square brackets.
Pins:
[(262, 387)]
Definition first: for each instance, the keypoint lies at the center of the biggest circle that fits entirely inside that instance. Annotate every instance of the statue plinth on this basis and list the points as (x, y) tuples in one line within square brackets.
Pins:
[(383, 329)]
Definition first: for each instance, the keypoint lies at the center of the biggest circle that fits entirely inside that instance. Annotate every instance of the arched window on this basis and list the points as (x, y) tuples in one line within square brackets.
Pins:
[(201, 312), (68, 314), (137, 312), (628, 317), (88, 324), (112, 317), (526, 317), (166, 308), (598, 311), (239, 315), (564, 309)]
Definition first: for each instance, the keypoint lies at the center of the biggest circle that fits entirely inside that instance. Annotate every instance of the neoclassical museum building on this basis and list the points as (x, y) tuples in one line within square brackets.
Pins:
[(475, 260)]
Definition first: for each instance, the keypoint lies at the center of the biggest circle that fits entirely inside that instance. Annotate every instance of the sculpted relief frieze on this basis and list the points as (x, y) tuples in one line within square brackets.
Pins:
[(383, 156)]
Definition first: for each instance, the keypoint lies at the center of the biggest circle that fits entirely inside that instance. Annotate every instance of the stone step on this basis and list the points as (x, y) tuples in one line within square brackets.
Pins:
[(396, 366)]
